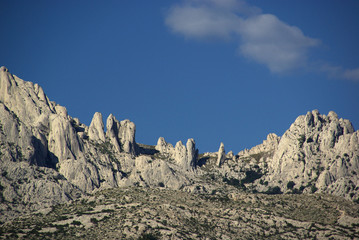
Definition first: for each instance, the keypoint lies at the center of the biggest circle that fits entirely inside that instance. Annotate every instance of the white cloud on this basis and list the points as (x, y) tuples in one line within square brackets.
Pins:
[(201, 22), (274, 43), (261, 37)]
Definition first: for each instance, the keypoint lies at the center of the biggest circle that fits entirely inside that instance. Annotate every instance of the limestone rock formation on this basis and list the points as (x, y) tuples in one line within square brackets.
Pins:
[(267, 146), (221, 155), (63, 141), (121, 134), (47, 157), (184, 156), (315, 154), (96, 128), (148, 172), (164, 148), (112, 127), (192, 153), (126, 135), (37, 135)]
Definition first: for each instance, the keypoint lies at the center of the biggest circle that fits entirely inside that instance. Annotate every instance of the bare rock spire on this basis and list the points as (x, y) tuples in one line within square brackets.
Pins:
[(186, 156), (95, 131), (221, 155), (112, 126), (126, 134), (121, 134)]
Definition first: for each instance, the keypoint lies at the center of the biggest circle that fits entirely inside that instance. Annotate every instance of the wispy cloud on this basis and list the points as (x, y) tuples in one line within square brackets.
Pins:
[(261, 37), (339, 72)]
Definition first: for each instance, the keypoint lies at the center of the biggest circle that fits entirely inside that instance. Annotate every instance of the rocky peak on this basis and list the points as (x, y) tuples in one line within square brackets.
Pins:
[(26, 100), (184, 156), (121, 134), (221, 155), (126, 134), (52, 157), (192, 153), (267, 146), (96, 129), (164, 147), (112, 127), (319, 128), (311, 153)]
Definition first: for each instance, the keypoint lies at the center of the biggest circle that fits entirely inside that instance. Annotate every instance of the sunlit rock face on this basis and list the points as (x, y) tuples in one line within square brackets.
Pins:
[(317, 153), (221, 155), (184, 155), (48, 157), (96, 129)]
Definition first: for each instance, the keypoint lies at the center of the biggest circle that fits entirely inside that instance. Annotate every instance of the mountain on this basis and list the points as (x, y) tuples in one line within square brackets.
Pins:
[(48, 158)]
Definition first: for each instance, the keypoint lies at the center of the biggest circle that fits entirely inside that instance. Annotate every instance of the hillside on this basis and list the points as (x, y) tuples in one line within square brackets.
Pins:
[(279, 188)]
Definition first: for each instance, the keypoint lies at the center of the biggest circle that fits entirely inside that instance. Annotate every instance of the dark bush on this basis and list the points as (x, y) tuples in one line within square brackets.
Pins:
[(313, 189), (309, 140), (149, 236), (251, 176), (273, 190), (290, 185), (77, 223)]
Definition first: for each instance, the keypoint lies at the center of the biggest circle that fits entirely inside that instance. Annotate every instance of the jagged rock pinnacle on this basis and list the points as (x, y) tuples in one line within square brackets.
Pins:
[(221, 155)]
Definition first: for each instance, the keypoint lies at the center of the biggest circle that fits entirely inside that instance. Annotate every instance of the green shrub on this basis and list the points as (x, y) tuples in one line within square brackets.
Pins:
[(149, 236), (290, 185), (313, 188), (76, 223), (94, 220), (274, 190)]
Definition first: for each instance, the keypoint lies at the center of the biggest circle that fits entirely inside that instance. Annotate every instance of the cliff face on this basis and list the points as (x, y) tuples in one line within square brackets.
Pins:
[(48, 157), (318, 153)]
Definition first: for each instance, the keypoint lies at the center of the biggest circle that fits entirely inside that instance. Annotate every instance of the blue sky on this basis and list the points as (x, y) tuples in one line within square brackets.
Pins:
[(214, 70)]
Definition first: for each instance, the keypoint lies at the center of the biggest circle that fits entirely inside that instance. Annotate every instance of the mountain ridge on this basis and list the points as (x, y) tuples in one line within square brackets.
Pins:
[(50, 158)]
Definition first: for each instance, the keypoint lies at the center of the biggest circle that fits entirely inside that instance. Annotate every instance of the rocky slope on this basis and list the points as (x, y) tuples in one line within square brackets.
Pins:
[(48, 158), (159, 213)]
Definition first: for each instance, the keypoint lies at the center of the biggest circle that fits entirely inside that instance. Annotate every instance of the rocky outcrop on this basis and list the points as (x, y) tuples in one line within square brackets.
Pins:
[(112, 127), (121, 134), (268, 145), (126, 135), (148, 172), (48, 157), (39, 135), (96, 129), (221, 156), (164, 148), (63, 141), (317, 153), (184, 156), (25, 99)]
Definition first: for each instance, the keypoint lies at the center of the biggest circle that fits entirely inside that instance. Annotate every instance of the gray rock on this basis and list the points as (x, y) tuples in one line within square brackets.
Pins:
[(126, 134), (48, 157), (121, 134), (96, 129), (320, 151), (221, 155), (112, 129), (164, 148), (186, 156), (192, 153)]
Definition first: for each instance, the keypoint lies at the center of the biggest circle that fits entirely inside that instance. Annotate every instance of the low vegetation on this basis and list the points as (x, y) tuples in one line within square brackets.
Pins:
[(145, 213)]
